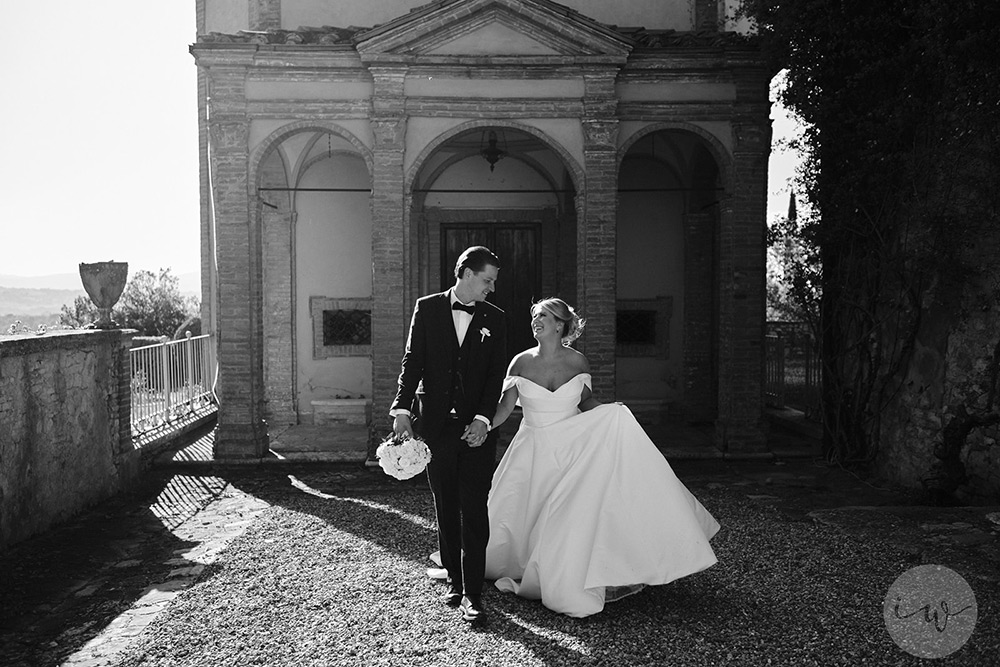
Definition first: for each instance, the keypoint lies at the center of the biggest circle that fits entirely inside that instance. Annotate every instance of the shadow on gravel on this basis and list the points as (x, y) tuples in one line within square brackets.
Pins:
[(354, 500), (398, 517), (61, 588)]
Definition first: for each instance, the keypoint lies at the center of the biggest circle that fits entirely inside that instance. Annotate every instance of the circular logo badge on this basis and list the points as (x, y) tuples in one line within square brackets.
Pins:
[(930, 611)]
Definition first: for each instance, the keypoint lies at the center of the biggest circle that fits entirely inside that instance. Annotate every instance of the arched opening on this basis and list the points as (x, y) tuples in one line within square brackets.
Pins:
[(670, 188), (313, 191), (507, 189)]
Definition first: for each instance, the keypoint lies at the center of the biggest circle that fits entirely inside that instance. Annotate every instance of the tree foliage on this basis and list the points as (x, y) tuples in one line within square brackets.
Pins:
[(80, 314), (902, 151), (154, 305), (151, 303), (794, 272)]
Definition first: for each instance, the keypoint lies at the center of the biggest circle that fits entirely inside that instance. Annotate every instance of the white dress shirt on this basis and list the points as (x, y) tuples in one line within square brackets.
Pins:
[(461, 318)]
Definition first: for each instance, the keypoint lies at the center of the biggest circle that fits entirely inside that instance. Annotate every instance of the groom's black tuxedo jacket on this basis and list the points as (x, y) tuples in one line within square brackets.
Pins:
[(438, 376)]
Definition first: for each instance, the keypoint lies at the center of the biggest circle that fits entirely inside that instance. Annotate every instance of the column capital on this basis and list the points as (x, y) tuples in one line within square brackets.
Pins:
[(389, 131), (600, 133), (229, 131), (751, 135)]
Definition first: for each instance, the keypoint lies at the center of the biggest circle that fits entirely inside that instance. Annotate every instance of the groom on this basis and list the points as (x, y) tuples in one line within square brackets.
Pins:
[(452, 371)]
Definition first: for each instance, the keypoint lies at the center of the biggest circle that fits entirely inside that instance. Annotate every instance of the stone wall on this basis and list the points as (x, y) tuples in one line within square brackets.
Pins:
[(65, 427), (952, 373)]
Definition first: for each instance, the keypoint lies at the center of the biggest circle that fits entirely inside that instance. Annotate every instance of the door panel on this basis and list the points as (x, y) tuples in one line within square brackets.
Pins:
[(519, 282)]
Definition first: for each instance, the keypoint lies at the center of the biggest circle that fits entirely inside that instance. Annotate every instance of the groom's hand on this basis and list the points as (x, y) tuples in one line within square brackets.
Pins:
[(475, 433), (402, 426)]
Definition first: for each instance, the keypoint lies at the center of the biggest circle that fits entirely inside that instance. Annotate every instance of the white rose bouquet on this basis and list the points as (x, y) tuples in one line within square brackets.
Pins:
[(403, 458)]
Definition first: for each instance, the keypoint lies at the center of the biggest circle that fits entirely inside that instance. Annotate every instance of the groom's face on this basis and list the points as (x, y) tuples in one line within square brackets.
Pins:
[(479, 285)]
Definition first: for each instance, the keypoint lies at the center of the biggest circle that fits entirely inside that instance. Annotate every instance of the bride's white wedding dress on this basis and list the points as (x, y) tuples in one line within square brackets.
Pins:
[(584, 502)]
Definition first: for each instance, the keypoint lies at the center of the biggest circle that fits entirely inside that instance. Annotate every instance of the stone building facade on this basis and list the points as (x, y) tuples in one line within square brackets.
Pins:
[(613, 154)]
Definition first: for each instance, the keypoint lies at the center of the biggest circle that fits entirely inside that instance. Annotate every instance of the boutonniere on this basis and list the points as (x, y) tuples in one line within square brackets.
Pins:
[(483, 333)]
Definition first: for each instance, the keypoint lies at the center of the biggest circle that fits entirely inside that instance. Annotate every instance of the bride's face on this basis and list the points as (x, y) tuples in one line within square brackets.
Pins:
[(544, 323)]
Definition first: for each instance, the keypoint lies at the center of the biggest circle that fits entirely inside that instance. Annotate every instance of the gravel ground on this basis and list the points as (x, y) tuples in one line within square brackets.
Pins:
[(337, 578)]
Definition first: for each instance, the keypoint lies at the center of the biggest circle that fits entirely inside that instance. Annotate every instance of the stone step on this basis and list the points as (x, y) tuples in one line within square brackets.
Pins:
[(352, 411), (322, 442)]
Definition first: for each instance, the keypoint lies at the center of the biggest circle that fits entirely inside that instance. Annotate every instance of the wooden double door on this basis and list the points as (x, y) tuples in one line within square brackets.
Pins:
[(518, 247)]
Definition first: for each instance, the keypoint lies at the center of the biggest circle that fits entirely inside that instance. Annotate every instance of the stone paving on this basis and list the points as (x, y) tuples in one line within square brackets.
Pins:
[(170, 539), (211, 530)]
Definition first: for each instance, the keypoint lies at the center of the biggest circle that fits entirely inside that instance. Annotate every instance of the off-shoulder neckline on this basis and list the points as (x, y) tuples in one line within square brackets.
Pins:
[(551, 391)]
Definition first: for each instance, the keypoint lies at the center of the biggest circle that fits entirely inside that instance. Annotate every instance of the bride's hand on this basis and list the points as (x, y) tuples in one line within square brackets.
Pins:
[(475, 433)]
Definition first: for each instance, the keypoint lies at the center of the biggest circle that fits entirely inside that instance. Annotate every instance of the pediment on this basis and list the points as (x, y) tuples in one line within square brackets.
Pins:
[(492, 28)]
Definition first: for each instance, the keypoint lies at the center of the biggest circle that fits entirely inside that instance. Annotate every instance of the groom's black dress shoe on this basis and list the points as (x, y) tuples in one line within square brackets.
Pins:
[(472, 610)]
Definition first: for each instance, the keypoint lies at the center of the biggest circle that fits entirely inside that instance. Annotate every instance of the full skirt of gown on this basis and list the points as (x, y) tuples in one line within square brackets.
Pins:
[(583, 502)]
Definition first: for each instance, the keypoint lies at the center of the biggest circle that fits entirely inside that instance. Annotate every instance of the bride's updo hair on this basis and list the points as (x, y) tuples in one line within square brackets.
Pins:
[(572, 323)]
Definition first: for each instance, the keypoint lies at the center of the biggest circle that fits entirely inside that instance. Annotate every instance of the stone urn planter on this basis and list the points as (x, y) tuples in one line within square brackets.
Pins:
[(104, 282)]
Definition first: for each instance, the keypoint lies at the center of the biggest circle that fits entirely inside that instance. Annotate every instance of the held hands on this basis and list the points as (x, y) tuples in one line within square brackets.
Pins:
[(475, 433), (402, 426)]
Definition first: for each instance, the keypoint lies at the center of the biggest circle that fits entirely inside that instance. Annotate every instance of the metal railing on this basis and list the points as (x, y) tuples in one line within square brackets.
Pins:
[(774, 371), (171, 381)]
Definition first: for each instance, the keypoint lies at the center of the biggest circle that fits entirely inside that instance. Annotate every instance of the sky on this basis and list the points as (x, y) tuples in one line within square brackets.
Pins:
[(99, 114), (99, 117)]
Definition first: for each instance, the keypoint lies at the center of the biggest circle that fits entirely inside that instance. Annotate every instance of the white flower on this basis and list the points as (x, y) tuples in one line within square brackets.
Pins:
[(483, 333), (403, 459)]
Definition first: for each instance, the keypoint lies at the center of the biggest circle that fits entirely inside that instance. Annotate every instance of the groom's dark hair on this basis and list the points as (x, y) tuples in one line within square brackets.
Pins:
[(475, 258)]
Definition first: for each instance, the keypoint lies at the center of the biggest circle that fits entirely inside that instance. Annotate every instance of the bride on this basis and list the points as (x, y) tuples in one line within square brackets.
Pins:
[(583, 509)]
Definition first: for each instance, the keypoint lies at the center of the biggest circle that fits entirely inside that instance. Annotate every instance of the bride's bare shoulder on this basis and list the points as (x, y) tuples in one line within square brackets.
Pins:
[(576, 360), (521, 361)]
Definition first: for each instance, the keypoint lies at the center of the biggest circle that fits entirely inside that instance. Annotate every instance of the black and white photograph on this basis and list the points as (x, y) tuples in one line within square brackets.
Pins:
[(512, 333)]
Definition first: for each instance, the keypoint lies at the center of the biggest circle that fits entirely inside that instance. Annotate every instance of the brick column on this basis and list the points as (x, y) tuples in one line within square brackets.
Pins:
[(279, 313), (123, 371), (597, 229), (241, 430), (740, 425), (700, 383), (207, 231), (390, 244)]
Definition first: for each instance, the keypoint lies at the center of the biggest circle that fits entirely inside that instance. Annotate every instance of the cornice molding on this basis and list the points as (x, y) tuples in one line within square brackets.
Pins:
[(532, 107)]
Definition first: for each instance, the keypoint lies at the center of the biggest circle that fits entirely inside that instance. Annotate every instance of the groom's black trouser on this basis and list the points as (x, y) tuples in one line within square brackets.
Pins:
[(460, 478)]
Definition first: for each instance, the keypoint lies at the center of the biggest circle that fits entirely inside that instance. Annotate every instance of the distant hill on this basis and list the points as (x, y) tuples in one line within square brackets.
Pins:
[(38, 300), (30, 301), (190, 283)]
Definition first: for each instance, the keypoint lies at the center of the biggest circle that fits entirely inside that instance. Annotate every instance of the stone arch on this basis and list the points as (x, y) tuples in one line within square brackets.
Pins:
[(723, 157), (572, 166), (303, 168), (694, 286), (275, 262), (543, 231), (285, 131)]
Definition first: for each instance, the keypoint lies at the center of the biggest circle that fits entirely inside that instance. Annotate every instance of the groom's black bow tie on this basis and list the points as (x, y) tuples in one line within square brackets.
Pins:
[(471, 310)]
